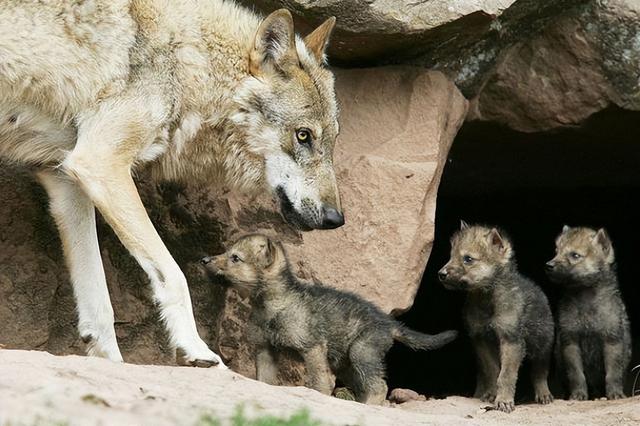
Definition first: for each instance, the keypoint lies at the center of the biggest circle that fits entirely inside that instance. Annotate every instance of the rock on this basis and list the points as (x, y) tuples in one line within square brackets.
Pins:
[(396, 128), (400, 396), (38, 388), (581, 63)]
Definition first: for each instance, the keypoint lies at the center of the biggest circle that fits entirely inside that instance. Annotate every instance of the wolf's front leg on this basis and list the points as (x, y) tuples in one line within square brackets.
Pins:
[(488, 370), (511, 354), (572, 360), (75, 217), (109, 141)]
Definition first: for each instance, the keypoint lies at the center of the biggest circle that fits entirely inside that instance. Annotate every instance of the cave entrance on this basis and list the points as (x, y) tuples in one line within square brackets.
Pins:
[(530, 185)]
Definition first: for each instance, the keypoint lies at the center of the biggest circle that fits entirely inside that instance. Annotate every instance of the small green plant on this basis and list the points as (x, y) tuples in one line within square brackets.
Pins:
[(299, 418)]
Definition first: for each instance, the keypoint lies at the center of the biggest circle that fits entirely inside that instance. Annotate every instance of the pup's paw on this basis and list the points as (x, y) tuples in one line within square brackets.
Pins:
[(615, 394), (579, 395), (488, 396), (544, 398), (504, 405)]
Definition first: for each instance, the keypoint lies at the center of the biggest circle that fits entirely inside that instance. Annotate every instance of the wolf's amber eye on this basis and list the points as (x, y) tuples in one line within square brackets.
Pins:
[(575, 255), (467, 260), (303, 136), (235, 258)]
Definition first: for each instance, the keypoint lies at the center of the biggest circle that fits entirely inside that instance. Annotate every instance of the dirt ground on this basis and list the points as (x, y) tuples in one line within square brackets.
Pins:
[(43, 389)]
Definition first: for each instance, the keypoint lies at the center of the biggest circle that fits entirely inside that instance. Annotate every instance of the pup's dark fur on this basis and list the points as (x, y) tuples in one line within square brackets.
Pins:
[(507, 315), (336, 332), (594, 340)]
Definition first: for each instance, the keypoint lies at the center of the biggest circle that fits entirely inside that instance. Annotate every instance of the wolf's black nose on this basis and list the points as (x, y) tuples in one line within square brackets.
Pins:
[(205, 260), (442, 275), (549, 265), (331, 218)]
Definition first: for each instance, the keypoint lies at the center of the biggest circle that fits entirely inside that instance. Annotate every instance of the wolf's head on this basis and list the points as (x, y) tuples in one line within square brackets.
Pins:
[(477, 252), (252, 263), (580, 254), (288, 111)]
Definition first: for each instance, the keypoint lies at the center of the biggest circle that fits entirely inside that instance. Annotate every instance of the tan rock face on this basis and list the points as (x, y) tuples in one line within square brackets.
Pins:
[(397, 126)]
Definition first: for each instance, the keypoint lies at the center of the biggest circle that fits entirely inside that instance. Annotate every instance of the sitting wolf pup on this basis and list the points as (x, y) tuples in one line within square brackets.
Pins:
[(594, 340), (336, 332), (507, 315)]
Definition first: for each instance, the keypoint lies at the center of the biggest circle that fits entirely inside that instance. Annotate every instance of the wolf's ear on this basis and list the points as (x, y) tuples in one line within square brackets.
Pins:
[(274, 45), (602, 239), (318, 40), (463, 225), (565, 228)]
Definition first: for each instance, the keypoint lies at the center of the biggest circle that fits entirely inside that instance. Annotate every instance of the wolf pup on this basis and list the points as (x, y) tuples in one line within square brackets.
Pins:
[(507, 315), (594, 340), (336, 332), (200, 91)]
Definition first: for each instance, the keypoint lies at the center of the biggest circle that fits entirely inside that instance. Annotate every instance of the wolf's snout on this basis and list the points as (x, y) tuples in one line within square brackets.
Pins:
[(550, 265), (205, 260), (442, 274), (331, 218)]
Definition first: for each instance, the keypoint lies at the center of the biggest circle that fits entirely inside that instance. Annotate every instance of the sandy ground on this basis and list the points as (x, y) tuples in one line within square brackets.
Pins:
[(39, 388)]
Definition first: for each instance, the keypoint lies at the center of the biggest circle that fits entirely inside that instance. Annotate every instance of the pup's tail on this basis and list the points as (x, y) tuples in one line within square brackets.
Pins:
[(419, 341)]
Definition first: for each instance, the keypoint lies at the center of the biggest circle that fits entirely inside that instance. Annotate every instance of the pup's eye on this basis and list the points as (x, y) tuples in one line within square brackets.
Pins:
[(303, 136), (467, 260), (235, 258), (575, 255)]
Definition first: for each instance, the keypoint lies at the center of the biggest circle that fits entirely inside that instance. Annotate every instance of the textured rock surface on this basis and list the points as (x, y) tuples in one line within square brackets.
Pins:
[(397, 126), (533, 65), (582, 62), (37, 388)]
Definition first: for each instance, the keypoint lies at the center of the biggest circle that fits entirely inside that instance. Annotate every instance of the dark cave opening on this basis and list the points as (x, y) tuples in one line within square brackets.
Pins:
[(530, 185)]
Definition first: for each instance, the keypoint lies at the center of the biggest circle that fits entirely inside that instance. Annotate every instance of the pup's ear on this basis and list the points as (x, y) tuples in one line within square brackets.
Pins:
[(604, 242), (496, 239), (268, 253), (318, 40), (565, 228), (274, 45), (463, 225)]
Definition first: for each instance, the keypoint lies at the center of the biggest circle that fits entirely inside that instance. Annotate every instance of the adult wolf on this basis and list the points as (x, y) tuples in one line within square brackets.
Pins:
[(197, 89)]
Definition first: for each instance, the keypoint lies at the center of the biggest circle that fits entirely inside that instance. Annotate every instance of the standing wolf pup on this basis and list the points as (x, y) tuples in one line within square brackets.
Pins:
[(203, 90), (594, 339), (336, 332), (507, 316)]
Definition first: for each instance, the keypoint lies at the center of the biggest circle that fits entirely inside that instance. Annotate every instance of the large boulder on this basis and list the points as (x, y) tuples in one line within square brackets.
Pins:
[(532, 65), (397, 125)]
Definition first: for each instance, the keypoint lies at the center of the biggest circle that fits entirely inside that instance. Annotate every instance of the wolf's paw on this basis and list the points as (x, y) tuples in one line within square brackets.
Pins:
[(544, 398), (102, 347), (505, 405), (488, 396), (200, 358), (579, 395), (615, 394)]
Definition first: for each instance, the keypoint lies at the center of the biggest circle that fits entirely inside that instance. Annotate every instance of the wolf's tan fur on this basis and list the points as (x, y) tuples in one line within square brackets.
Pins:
[(202, 90)]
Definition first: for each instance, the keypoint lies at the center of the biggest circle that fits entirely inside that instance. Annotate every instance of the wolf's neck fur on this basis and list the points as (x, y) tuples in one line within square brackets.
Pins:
[(605, 278), (205, 145)]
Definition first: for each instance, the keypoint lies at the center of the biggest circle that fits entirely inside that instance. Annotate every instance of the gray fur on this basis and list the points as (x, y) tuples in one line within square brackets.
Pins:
[(336, 332), (506, 315), (594, 338)]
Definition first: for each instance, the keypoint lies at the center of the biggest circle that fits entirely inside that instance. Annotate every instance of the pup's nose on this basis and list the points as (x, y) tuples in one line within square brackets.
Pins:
[(442, 274), (205, 260), (331, 218), (549, 265)]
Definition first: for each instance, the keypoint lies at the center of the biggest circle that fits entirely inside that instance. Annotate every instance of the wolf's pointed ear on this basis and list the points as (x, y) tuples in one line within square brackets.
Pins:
[(274, 45), (318, 40), (463, 225), (565, 228), (602, 239)]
